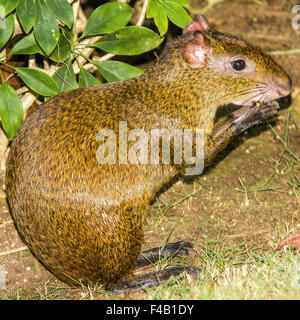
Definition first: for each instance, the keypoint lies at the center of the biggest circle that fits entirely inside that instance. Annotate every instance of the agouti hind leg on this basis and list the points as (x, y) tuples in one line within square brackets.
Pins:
[(170, 250), (148, 280)]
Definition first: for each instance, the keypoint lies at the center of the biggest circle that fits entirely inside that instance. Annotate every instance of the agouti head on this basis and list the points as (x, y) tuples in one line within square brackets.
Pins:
[(224, 68)]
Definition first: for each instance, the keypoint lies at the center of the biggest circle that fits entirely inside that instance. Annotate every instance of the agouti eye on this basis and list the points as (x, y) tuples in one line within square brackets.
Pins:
[(238, 65)]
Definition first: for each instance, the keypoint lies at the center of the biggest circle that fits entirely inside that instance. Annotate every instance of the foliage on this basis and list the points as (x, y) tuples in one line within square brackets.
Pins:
[(49, 33)]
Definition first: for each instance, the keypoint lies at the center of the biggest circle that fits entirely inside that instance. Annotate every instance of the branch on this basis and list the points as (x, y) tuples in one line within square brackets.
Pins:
[(284, 52), (143, 14)]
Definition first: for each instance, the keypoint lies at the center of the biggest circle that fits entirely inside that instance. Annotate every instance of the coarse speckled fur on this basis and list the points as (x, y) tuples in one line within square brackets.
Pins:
[(83, 220)]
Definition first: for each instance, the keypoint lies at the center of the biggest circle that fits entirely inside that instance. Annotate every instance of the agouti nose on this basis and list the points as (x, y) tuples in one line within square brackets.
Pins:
[(284, 89)]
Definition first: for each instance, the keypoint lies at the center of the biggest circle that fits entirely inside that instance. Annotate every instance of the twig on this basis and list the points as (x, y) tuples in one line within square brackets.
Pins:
[(143, 14), (17, 28), (12, 251), (75, 7), (87, 52), (31, 61), (266, 36), (284, 52), (10, 76), (22, 90), (90, 67), (80, 23)]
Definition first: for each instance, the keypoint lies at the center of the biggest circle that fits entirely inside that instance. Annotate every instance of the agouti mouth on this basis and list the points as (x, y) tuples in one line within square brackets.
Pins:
[(268, 91), (252, 102), (264, 97)]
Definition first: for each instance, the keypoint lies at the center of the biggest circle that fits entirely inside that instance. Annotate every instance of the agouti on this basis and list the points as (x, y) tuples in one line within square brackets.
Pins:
[(83, 219)]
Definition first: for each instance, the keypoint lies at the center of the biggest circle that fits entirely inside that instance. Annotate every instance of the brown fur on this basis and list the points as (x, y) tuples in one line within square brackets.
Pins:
[(83, 220)]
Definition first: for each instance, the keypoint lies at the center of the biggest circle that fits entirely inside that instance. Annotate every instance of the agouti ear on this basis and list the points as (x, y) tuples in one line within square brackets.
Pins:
[(196, 50), (200, 23)]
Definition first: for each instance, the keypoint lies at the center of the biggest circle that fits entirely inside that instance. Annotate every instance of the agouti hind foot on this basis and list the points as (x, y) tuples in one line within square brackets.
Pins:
[(170, 250), (147, 280)]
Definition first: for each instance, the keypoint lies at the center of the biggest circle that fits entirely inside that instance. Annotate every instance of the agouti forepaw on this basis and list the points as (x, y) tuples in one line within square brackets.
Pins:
[(247, 117)]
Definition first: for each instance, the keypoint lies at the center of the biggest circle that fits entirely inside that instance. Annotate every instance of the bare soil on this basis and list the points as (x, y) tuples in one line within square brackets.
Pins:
[(218, 210)]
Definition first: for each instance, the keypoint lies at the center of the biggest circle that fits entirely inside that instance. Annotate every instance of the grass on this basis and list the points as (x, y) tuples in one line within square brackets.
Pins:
[(260, 276), (287, 164), (164, 207), (233, 273), (239, 272), (289, 159)]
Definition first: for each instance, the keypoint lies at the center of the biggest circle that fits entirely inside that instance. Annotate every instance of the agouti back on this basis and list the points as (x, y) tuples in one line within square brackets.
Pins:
[(84, 220)]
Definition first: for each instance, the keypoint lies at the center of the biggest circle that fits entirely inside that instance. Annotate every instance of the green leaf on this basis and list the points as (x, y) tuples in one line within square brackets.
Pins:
[(46, 29), (181, 2), (9, 5), (86, 79), (65, 78), (26, 45), (161, 21), (153, 8), (38, 81), (6, 30), (156, 11), (11, 110), (176, 13), (62, 11), (129, 41), (107, 18), (26, 14), (113, 71), (68, 33), (62, 51)]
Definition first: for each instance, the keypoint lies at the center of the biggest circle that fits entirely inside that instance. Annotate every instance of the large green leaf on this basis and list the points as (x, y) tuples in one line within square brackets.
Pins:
[(26, 45), (113, 71), (107, 18), (86, 79), (6, 30), (153, 8), (156, 11), (62, 51), (161, 21), (9, 5), (46, 29), (176, 13), (38, 81), (11, 110), (62, 11), (26, 14), (129, 41), (65, 78)]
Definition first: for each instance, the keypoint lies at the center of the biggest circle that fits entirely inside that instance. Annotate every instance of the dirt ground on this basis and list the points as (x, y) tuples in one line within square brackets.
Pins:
[(217, 210)]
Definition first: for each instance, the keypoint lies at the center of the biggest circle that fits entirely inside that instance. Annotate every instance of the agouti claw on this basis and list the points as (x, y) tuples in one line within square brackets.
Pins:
[(170, 250), (292, 242)]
